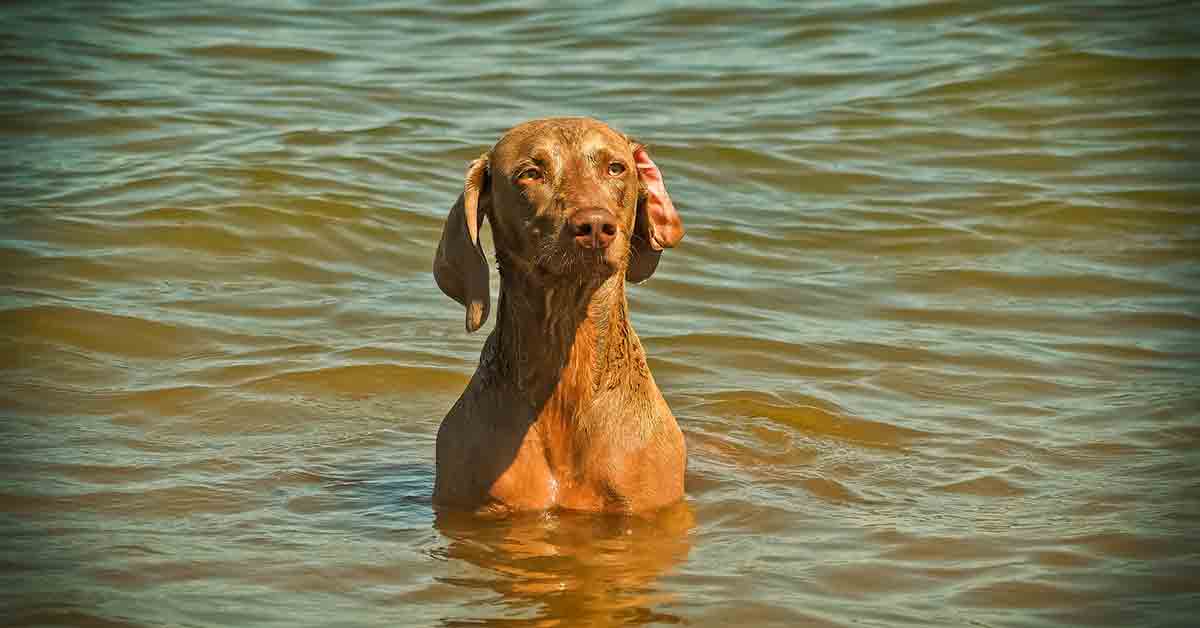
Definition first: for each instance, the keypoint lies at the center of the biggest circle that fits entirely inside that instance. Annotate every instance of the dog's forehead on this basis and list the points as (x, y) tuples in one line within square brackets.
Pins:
[(557, 135)]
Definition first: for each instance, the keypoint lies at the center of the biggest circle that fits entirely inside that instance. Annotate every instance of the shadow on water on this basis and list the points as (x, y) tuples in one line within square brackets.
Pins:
[(587, 567), (394, 496)]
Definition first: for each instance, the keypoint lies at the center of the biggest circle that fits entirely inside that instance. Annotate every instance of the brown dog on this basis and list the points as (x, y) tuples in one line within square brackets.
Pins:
[(562, 411)]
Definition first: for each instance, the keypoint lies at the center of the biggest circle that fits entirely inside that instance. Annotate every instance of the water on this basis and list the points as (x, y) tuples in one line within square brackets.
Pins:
[(932, 337)]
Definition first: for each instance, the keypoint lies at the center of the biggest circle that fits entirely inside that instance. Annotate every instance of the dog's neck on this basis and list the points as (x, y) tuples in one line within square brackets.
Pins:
[(560, 341)]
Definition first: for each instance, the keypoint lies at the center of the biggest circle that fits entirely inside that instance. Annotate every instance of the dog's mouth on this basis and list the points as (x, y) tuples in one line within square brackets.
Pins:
[(570, 259), (595, 261)]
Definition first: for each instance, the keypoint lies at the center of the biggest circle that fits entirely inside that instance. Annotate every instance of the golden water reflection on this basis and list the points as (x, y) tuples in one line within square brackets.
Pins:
[(548, 566)]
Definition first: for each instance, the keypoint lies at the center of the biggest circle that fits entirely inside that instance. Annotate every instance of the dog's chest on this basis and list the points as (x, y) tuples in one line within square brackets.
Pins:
[(595, 481)]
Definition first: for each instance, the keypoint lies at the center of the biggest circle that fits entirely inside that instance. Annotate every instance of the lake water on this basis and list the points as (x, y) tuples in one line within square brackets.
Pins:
[(933, 336)]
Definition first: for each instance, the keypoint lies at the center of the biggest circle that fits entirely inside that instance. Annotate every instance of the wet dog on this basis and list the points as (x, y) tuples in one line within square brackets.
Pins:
[(562, 411)]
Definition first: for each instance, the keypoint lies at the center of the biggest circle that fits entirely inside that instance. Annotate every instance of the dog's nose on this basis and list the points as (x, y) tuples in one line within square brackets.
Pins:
[(593, 228)]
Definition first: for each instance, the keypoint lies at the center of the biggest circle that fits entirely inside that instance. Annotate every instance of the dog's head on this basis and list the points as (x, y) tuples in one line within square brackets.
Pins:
[(566, 198)]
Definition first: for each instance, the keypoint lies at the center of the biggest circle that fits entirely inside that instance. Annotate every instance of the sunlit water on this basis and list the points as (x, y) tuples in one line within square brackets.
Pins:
[(933, 335)]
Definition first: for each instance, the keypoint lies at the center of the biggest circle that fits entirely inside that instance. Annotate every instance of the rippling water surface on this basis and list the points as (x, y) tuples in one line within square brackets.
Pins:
[(933, 336)]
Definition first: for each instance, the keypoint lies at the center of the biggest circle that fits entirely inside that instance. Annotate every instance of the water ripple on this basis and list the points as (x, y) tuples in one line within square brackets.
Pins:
[(931, 336)]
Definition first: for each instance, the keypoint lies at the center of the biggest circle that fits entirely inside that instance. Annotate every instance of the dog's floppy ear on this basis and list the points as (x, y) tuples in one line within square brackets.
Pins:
[(460, 267), (658, 225)]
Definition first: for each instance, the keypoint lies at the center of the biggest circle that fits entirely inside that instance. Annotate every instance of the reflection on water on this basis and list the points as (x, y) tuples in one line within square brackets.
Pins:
[(545, 567), (933, 336)]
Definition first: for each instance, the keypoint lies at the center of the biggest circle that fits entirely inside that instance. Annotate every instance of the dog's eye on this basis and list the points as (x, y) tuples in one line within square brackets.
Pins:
[(529, 174), (616, 168)]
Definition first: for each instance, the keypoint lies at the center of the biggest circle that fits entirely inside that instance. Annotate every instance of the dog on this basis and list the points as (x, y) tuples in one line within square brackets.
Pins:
[(562, 411)]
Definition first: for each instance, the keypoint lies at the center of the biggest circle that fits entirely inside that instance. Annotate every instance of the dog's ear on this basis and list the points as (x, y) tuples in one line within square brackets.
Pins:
[(658, 225), (460, 267)]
